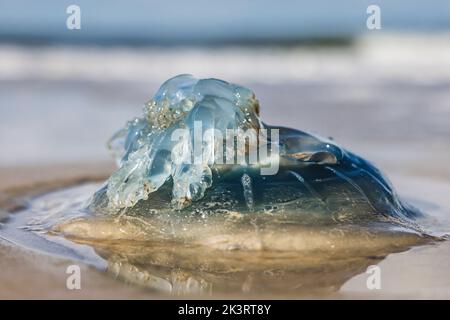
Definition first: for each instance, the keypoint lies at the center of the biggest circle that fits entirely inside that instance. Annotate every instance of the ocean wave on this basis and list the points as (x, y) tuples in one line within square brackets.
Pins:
[(414, 57)]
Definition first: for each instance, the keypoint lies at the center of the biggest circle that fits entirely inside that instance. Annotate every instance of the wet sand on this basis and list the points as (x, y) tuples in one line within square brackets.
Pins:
[(421, 272), (387, 101), (418, 273), (31, 275), (18, 183)]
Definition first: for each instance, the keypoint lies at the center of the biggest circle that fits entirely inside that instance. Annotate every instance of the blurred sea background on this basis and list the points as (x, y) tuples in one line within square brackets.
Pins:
[(314, 65)]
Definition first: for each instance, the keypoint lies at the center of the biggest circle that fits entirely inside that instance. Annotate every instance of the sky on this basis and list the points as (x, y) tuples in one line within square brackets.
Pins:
[(179, 21)]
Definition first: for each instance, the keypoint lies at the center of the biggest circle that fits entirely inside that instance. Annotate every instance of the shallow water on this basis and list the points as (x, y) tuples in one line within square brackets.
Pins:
[(253, 254)]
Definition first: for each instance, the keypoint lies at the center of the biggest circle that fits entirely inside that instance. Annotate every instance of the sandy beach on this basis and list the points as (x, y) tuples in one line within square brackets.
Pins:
[(31, 275), (419, 273), (57, 116)]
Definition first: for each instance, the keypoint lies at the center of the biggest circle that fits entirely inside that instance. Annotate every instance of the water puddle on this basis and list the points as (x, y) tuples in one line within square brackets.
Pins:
[(259, 253)]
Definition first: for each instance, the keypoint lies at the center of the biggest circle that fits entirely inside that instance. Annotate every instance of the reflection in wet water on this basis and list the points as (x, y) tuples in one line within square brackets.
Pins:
[(186, 269), (254, 254)]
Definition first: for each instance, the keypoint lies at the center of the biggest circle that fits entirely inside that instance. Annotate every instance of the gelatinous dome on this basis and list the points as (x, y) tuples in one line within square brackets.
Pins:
[(275, 168)]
